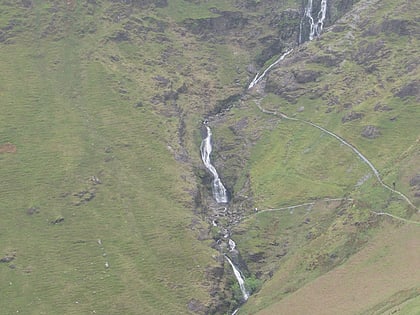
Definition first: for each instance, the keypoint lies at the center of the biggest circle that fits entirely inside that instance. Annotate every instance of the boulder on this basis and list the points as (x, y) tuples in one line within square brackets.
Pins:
[(415, 181), (371, 132), (351, 116)]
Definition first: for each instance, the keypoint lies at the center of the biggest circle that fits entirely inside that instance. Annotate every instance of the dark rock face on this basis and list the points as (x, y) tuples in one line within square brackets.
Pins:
[(351, 116), (371, 132), (306, 76), (8, 258), (392, 27), (288, 24), (415, 184), (143, 3), (196, 306), (399, 27), (381, 108), (256, 257), (227, 21), (27, 3), (371, 52), (328, 60), (58, 220), (120, 36), (410, 89), (415, 181)]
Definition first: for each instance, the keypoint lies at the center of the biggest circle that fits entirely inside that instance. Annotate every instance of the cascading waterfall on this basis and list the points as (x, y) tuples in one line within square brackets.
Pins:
[(239, 278), (259, 77), (315, 29), (219, 191), (315, 25)]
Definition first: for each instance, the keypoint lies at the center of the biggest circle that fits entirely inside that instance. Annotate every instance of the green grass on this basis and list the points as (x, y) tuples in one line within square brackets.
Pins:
[(67, 96), (64, 113)]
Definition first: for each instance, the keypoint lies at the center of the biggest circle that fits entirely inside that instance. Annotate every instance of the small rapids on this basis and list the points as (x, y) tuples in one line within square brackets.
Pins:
[(219, 191)]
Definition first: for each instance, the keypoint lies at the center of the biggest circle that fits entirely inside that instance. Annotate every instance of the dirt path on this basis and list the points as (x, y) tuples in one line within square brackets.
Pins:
[(353, 148), (360, 155), (302, 205)]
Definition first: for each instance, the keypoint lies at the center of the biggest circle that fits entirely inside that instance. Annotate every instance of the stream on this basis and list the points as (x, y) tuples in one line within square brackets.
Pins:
[(315, 24), (218, 189)]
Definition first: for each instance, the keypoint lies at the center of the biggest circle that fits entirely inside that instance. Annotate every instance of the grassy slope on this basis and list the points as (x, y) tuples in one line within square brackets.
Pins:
[(294, 163), (67, 105), (62, 107)]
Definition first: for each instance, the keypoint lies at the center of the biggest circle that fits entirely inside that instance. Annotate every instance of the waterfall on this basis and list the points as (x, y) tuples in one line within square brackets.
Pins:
[(259, 77), (239, 278), (219, 191), (232, 244), (315, 25)]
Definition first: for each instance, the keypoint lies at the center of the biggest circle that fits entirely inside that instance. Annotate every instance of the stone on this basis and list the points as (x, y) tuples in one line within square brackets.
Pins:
[(7, 258), (351, 116), (415, 181), (410, 89), (371, 132)]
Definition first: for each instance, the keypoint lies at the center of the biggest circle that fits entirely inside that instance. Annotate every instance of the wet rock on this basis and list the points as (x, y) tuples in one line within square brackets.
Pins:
[(371, 132), (351, 116)]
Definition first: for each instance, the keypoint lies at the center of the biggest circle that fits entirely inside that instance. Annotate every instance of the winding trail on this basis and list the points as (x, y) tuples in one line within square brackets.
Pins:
[(353, 148), (396, 217), (302, 205), (360, 155)]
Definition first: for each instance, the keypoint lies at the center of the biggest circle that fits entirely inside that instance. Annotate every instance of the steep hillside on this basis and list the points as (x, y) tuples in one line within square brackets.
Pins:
[(359, 81), (107, 207)]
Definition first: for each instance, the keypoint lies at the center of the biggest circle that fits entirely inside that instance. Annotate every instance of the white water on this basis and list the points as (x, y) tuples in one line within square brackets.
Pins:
[(315, 25), (232, 244), (219, 191), (239, 278), (259, 77)]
